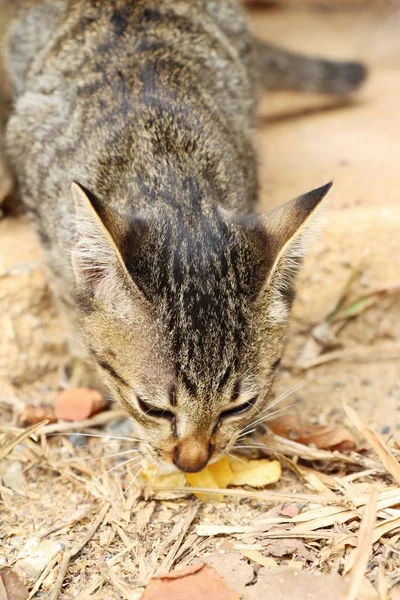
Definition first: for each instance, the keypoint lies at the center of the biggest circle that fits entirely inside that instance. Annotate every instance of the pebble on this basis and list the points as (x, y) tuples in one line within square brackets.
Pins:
[(122, 427), (14, 479), (78, 440), (35, 557)]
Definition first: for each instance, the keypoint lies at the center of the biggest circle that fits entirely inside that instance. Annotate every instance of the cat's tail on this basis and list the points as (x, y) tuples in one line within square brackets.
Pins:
[(281, 69)]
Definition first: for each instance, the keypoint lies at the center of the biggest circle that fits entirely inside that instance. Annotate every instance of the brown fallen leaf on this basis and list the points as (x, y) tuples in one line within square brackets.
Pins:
[(198, 582), (76, 404), (286, 583), (289, 546), (324, 437), (36, 414), (11, 586)]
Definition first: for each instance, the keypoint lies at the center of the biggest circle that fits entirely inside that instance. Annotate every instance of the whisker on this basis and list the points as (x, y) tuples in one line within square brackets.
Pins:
[(290, 391), (275, 412), (131, 483), (257, 447), (87, 460), (71, 337), (279, 399), (109, 443), (246, 433), (236, 458), (281, 410), (136, 458), (110, 437)]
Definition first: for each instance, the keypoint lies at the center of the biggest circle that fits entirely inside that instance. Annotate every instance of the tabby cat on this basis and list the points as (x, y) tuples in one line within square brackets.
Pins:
[(180, 292)]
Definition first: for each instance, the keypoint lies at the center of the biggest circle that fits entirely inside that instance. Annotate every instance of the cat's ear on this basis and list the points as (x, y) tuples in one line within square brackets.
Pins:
[(96, 257), (288, 229)]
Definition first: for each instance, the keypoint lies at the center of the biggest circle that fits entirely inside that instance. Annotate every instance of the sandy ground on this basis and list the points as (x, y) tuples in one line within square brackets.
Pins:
[(304, 142)]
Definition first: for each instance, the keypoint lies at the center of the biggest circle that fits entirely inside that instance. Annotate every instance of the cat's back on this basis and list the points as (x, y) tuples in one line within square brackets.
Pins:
[(88, 72), (75, 49)]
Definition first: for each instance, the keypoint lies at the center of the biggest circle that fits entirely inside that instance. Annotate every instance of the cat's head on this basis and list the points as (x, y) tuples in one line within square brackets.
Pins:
[(186, 316)]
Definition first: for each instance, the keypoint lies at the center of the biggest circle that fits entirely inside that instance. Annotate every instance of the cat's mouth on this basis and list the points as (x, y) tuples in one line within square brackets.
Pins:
[(166, 467)]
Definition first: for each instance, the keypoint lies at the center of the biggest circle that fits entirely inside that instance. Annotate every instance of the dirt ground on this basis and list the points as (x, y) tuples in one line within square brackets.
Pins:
[(353, 356)]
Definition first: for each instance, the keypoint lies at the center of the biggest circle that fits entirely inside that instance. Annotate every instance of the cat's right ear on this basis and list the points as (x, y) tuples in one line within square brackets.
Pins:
[(96, 258), (287, 229)]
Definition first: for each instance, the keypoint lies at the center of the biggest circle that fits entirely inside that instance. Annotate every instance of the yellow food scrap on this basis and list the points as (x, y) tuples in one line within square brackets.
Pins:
[(256, 473), (227, 471), (222, 472), (231, 471), (170, 480), (205, 479)]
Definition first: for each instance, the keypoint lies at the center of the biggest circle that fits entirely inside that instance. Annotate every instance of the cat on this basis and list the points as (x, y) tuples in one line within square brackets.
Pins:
[(179, 291)]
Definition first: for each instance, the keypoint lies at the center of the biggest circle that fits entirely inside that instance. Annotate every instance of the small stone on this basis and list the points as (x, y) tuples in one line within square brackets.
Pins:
[(289, 510), (122, 427), (35, 557), (77, 404), (78, 440), (14, 479)]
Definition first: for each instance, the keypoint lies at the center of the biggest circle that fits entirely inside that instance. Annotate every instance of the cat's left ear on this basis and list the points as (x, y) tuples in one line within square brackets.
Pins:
[(287, 229), (96, 257)]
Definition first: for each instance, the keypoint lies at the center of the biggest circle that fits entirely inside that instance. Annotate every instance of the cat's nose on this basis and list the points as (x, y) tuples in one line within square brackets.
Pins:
[(192, 456)]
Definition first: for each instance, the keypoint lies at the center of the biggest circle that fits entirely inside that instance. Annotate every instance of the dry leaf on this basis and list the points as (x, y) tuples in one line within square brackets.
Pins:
[(199, 582), (11, 586), (289, 546), (36, 414), (286, 583), (322, 436), (232, 567), (76, 404)]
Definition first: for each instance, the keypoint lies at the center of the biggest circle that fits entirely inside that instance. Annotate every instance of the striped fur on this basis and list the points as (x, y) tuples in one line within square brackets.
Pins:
[(181, 295)]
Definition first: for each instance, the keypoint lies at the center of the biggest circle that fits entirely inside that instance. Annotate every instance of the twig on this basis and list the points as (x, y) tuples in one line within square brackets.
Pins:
[(20, 438), (100, 419), (44, 574), (70, 554), (364, 547), (364, 353), (184, 524), (387, 458), (86, 593), (265, 495)]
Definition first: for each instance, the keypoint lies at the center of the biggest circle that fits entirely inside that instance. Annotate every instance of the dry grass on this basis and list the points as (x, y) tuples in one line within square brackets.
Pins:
[(122, 531)]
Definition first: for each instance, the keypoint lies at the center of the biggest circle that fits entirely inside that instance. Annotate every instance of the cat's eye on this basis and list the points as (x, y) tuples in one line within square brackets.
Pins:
[(238, 410), (152, 411)]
